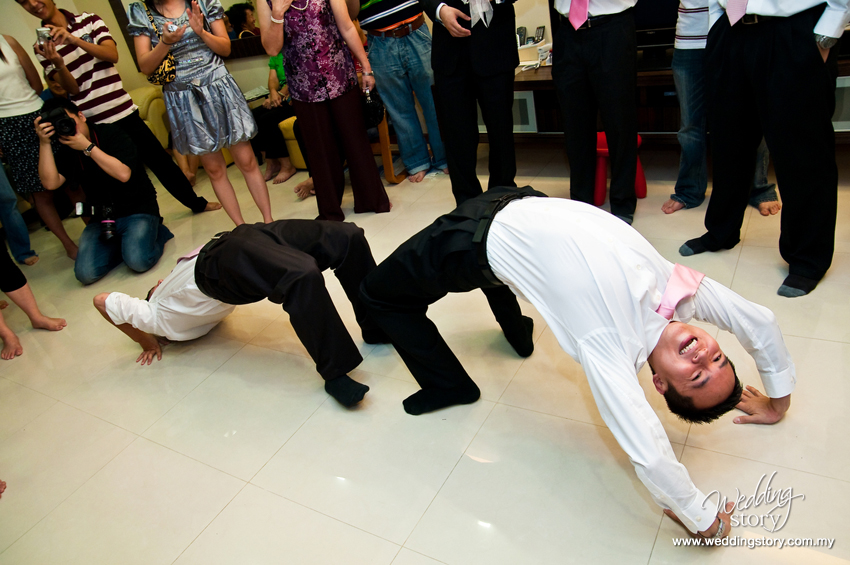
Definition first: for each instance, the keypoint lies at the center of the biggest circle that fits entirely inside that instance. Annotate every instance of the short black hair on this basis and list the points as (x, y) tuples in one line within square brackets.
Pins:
[(236, 14), (59, 102), (683, 406)]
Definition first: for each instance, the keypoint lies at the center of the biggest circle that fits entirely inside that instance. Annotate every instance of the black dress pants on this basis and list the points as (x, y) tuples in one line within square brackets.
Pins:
[(160, 163), (436, 261), (283, 261), (594, 71), (769, 79), (456, 98)]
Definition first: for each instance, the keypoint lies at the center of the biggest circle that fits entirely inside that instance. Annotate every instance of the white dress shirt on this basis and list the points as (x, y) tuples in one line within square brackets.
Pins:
[(831, 23), (597, 283), (177, 309), (597, 7)]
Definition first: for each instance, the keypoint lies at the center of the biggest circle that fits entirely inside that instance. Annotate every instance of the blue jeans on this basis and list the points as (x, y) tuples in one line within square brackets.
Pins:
[(139, 240), (689, 78), (16, 229), (402, 66)]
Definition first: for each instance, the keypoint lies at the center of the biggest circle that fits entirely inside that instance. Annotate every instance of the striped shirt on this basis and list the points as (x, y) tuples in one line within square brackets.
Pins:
[(692, 26), (102, 98), (382, 14)]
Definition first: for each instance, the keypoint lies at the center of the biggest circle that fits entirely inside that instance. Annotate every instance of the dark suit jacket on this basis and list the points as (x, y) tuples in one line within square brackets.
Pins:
[(491, 50)]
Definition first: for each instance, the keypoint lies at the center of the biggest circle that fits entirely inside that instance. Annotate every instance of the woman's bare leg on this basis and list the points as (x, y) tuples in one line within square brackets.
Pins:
[(25, 300), (47, 210), (246, 161), (216, 169)]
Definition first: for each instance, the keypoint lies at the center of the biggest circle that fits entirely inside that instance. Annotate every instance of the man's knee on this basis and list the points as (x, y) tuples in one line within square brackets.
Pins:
[(88, 273), (140, 260)]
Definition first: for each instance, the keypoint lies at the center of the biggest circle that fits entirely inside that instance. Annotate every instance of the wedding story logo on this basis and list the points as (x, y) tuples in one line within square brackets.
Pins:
[(766, 507)]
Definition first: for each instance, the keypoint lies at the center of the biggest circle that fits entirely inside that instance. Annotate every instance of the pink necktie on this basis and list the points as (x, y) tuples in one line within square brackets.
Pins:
[(735, 10), (683, 283), (191, 254), (578, 13)]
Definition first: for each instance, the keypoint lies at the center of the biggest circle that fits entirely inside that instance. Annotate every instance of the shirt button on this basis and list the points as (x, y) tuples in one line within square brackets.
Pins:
[(699, 518)]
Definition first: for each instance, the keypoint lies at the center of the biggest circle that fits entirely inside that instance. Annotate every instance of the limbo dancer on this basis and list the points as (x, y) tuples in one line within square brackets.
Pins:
[(282, 261), (612, 301)]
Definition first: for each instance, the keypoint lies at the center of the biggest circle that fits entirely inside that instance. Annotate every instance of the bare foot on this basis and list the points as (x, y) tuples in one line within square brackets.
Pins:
[(304, 189), (11, 347), (212, 206), (769, 208), (52, 324), (445, 171), (272, 168), (30, 261), (192, 178), (284, 175), (672, 206), (417, 177), (3, 304), (2, 487)]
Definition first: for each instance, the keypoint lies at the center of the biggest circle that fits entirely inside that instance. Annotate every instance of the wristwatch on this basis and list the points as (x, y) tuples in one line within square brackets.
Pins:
[(87, 151), (824, 41), (719, 533)]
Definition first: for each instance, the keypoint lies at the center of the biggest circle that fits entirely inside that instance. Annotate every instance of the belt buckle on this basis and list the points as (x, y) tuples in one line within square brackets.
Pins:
[(753, 19)]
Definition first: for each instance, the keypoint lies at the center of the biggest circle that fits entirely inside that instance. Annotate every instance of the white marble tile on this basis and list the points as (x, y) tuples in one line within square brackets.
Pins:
[(146, 506), (47, 460), (817, 515), (534, 488), (407, 557), (261, 527), (244, 412), (19, 406), (374, 467), (134, 396)]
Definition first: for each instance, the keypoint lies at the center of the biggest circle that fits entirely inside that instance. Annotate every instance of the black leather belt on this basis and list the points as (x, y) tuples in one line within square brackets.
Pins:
[(750, 19), (592, 21), (479, 239)]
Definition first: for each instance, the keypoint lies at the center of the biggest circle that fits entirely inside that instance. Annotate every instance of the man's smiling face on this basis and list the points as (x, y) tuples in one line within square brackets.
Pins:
[(41, 9), (689, 360)]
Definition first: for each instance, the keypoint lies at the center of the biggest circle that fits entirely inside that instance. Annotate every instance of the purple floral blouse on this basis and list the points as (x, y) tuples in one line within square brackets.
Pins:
[(318, 64)]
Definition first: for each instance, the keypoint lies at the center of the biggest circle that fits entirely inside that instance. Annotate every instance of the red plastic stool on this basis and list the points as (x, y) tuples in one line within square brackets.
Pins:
[(601, 185)]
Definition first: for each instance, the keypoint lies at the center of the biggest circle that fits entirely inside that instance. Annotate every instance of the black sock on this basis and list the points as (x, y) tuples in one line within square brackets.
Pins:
[(430, 399), (520, 338), (692, 247), (346, 391), (375, 335), (795, 285)]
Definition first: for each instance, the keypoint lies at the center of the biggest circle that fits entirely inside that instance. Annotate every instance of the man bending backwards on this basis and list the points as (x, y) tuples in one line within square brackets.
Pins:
[(609, 298), (282, 261)]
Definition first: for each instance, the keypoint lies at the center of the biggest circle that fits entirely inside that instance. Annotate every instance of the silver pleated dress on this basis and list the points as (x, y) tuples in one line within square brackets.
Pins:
[(206, 109)]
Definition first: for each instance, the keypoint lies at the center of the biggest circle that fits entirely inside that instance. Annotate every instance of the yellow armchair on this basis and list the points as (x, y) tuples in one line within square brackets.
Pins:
[(152, 111)]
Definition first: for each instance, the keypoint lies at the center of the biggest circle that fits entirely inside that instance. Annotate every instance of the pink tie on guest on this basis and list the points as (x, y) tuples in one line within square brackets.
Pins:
[(578, 13), (683, 284), (735, 10)]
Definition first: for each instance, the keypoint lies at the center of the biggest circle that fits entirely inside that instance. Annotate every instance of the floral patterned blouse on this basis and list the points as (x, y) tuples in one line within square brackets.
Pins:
[(318, 64)]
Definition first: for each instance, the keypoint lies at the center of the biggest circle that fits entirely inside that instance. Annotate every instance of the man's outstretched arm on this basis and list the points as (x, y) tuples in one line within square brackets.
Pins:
[(150, 344), (758, 332)]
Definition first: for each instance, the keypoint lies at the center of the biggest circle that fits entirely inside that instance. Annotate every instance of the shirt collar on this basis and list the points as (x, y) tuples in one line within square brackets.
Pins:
[(72, 19)]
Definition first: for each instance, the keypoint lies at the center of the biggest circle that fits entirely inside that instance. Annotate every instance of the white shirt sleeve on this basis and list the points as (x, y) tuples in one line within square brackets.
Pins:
[(756, 329), (623, 405), (834, 19), (124, 309)]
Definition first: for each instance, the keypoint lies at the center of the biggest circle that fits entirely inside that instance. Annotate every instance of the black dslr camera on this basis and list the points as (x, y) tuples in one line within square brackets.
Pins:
[(107, 218), (63, 124)]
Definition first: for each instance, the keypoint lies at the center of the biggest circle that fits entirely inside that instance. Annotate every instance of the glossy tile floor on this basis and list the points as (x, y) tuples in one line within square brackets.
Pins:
[(229, 451)]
